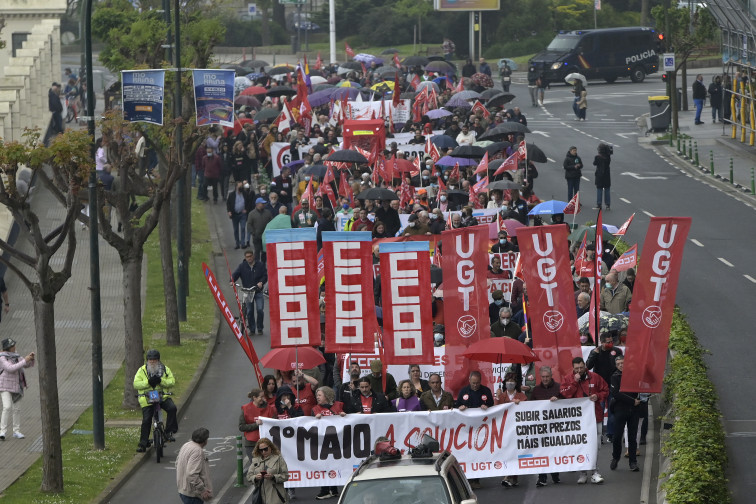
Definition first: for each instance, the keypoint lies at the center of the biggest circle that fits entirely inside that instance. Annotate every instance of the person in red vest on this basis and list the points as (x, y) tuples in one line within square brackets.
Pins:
[(251, 419), (304, 390), (327, 406)]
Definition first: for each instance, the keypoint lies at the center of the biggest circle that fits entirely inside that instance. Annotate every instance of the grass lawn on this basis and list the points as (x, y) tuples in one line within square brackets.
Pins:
[(87, 472)]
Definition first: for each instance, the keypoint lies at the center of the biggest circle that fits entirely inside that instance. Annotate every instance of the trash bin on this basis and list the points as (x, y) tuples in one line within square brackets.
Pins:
[(661, 112)]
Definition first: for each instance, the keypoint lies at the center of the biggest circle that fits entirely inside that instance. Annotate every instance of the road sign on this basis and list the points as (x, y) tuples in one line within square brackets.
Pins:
[(252, 9), (669, 61)]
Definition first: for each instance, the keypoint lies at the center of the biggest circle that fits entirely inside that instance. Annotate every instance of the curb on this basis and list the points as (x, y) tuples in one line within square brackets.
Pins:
[(138, 460)]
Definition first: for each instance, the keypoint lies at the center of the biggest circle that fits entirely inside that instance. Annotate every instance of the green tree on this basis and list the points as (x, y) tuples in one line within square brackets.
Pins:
[(413, 9)]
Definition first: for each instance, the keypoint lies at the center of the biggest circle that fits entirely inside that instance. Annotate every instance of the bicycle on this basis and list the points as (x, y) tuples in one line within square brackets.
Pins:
[(155, 397), (71, 109)]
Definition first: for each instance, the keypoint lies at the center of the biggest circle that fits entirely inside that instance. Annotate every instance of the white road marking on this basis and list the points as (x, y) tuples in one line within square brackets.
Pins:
[(649, 214), (543, 133), (643, 177), (600, 115), (624, 135), (749, 277), (551, 160), (726, 262), (585, 178), (627, 115), (696, 242), (625, 200)]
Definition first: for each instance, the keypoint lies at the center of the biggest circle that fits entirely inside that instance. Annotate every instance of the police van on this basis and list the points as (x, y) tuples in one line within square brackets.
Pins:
[(606, 53)]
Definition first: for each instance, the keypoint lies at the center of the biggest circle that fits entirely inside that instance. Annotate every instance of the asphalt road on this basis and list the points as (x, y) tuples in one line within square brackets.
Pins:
[(710, 292)]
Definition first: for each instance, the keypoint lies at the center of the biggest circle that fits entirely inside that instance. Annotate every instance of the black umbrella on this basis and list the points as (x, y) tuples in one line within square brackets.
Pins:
[(240, 70), (490, 93), (390, 50), (267, 113), (281, 69), (443, 141), (503, 185), (504, 129), (386, 71), (496, 147), (415, 61), (281, 91), (351, 65), (500, 99), (469, 152), (535, 153), (408, 95), (377, 193), (255, 63), (441, 67), (318, 170), (347, 156), (458, 198), (321, 87)]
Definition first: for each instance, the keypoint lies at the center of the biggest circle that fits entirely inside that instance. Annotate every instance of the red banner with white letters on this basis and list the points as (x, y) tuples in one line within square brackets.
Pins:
[(293, 287), (350, 306), (653, 304), (465, 268), (551, 299), (407, 303)]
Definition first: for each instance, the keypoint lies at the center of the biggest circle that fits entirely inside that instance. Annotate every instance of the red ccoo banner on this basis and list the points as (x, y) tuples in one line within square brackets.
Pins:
[(293, 287), (653, 304), (551, 306), (350, 305), (465, 268), (407, 303)]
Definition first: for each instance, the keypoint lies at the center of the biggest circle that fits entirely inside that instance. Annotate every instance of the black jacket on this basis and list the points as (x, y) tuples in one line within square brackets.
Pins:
[(603, 176), (699, 90), (601, 362), (715, 94), (572, 166), (380, 404), (390, 219), (248, 200), (250, 276), (474, 398), (622, 401), (54, 103)]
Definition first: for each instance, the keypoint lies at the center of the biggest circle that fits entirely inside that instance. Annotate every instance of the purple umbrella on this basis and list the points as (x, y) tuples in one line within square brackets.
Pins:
[(457, 102), (433, 114), (368, 58), (319, 98), (451, 161)]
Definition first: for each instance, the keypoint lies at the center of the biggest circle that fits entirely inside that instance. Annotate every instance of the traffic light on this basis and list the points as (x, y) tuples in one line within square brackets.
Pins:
[(665, 77), (660, 43)]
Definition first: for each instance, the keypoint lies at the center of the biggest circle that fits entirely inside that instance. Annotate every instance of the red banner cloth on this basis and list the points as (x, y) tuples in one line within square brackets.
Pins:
[(653, 304), (350, 306), (465, 269), (293, 287), (406, 296), (551, 306)]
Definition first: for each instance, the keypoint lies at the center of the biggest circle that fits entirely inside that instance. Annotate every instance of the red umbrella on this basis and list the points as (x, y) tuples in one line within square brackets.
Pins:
[(253, 90), (402, 165), (511, 226), (482, 79), (289, 358), (501, 350)]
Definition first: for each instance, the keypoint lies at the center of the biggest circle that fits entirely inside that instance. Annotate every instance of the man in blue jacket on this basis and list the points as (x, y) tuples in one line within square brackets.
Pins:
[(253, 276)]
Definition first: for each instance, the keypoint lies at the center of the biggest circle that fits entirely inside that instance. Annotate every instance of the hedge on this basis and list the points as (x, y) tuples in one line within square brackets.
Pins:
[(696, 444)]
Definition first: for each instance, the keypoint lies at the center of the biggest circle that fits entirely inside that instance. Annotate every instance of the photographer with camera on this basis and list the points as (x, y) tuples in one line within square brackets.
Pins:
[(253, 276), (12, 385)]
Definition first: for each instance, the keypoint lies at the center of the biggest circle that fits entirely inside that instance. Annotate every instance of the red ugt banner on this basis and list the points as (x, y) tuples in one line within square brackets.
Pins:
[(406, 295), (293, 287), (465, 268), (653, 304), (551, 306), (350, 307)]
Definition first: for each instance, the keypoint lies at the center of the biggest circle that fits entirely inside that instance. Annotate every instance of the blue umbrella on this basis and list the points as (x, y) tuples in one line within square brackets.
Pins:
[(444, 141), (254, 75), (451, 161), (548, 208)]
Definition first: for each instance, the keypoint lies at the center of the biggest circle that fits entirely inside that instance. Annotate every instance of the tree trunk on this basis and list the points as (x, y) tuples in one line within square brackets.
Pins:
[(674, 104), (52, 456), (172, 335), (684, 85), (132, 319), (645, 18), (265, 27)]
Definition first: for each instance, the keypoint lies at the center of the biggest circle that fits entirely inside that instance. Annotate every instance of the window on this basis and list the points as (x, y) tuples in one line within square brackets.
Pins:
[(17, 41)]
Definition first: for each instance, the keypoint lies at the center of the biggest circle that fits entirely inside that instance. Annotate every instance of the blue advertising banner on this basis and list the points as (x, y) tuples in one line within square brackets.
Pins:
[(142, 95), (214, 97)]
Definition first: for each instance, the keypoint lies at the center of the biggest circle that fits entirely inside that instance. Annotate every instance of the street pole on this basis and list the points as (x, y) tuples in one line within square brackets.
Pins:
[(98, 410), (480, 34), (472, 35), (332, 29), (183, 270), (299, 25)]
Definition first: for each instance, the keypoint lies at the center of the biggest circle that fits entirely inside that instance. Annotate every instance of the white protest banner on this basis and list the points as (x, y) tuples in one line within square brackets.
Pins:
[(529, 438)]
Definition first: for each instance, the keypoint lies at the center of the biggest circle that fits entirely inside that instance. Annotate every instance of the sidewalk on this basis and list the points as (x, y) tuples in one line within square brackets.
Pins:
[(72, 334)]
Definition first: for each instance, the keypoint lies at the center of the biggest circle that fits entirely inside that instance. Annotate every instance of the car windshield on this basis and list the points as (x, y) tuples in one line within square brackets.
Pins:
[(425, 489), (563, 43)]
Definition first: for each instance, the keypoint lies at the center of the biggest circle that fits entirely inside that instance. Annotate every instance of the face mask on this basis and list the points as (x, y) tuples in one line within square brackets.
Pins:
[(443, 198), (433, 216), (246, 186), (410, 224), (583, 339), (345, 206), (505, 321), (307, 178), (209, 154), (502, 241), (263, 192), (499, 302), (426, 178), (510, 385), (609, 345)]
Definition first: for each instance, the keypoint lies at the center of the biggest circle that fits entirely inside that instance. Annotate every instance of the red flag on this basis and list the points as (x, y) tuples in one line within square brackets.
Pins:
[(627, 260), (509, 164), (455, 173), (293, 287), (327, 179), (574, 206), (432, 99), (483, 165), (345, 189), (621, 231), (465, 300), (308, 194), (285, 120), (405, 194), (318, 63), (396, 61), (220, 299), (580, 258), (405, 284), (350, 310), (365, 74), (348, 50), (653, 304), (441, 187), (517, 273), (479, 106), (396, 96), (594, 322), (415, 81), (460, 85), (418, 167), (551, 306)]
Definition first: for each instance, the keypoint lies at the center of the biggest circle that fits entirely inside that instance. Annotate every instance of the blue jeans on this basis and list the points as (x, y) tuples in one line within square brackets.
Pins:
[(190, 500), (259, 304), (239, 222), (201, 186), (573, 186), (699, 106), (605, 192)]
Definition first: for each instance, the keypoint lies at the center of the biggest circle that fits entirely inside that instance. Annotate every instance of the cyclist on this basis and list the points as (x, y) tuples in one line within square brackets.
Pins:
[(155, 376), (253, 275)]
